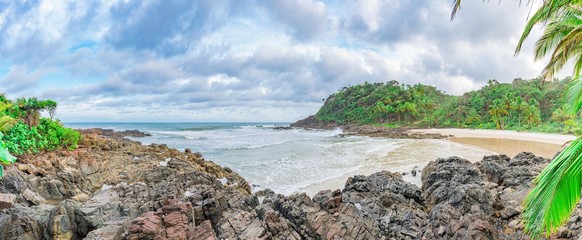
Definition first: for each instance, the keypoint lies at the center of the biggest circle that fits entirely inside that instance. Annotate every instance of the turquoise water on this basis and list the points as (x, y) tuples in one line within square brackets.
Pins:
[(288, 161)]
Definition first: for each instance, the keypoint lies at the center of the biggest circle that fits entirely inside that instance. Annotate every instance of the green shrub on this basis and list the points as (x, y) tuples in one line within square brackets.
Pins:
[(22, 139), (49, 135), (58, 136)]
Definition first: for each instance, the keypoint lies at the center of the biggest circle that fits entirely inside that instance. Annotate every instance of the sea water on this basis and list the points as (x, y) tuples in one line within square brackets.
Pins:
[(296, 160)]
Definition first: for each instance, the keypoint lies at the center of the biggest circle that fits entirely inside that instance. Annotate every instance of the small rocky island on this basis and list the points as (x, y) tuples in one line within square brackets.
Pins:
[(114, 188)]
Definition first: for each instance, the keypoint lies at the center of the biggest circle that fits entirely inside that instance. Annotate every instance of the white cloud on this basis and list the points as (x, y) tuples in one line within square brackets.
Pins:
[(258, 60), (221, 79)]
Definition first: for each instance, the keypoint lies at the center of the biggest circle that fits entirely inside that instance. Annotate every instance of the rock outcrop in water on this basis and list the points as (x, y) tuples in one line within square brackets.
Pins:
[(365, 130), (312, 123), (113, 188)]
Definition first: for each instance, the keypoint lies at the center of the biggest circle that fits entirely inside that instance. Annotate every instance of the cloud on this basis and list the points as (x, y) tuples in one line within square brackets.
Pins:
[(19, 79), (306, 18), (256, 60)]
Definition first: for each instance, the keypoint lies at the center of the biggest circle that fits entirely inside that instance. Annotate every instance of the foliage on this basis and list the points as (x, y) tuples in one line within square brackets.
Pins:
[(27, 133), (23, 139), (51, 107), (556, 193), (49, 135), (520, 105), (58, 136), (562, 40), (6, 122)]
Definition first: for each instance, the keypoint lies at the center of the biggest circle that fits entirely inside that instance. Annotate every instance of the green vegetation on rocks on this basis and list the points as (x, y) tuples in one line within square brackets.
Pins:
[(520, 105), (23, 131)]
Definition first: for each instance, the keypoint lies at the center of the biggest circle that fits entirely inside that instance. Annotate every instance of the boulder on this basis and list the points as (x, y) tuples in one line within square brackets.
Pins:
[(7, 200)]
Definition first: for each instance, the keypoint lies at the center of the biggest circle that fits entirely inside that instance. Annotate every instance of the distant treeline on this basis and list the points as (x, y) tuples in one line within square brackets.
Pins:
[(520, 105)]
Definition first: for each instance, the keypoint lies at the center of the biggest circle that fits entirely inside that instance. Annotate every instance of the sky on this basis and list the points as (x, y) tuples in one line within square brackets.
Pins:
[(247, 60)]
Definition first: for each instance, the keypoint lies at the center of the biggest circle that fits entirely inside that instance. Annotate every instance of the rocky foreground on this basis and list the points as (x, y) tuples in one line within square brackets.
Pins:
[(113, 188)]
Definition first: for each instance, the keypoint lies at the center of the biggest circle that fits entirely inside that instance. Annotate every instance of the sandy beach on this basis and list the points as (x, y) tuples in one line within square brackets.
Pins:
[(506, 141)]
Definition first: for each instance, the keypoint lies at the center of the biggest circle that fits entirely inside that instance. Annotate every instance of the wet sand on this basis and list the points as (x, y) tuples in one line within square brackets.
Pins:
[(505, 141), (511, 147)]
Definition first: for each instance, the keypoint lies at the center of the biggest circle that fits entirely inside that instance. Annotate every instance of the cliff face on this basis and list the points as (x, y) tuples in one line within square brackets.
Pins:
[(113, 188)]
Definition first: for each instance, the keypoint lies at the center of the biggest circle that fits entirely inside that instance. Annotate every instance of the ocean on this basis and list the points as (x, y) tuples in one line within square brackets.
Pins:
[(296, 160)]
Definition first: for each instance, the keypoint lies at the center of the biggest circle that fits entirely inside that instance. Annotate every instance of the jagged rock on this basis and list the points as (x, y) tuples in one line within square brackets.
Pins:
[(112, 230), (312, 122), (516, 171), (62, 223), (329, 200), (204, 231), (7, 200), (455, 194), (114, 134), (27, 223), (173, 221), (33, 197), (394, 204), (124, 192)]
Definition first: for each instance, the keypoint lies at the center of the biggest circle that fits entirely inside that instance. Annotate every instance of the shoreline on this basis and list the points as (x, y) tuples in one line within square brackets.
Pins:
[(504, 141)]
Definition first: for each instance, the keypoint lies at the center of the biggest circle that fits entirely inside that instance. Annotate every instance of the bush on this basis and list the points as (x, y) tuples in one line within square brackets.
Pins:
[(22, 139), (49, 135), (58, 136)]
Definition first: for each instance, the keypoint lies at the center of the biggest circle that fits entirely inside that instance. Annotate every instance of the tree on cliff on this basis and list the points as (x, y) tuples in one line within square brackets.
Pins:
[(557, 189)]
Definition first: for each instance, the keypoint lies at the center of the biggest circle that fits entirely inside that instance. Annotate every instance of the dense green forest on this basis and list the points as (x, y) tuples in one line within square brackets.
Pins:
[(533, 105), (24, 131)]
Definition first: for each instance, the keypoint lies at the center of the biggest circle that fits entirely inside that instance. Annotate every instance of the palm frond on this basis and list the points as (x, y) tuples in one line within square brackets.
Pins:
[(6, 123), (557, 29), (556, 192), (456, 6), (573, 95), (543, 14)]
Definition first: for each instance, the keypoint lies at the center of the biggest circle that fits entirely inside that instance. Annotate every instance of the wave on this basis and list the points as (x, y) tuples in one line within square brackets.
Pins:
[(206, 128), (337, 177), (258, 146)]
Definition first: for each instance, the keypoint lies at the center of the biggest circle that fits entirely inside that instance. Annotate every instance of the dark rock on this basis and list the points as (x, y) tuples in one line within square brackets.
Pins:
[(26, 223), (312, 123), (282, 128), (454, 191), (125, 192), (114, 134)]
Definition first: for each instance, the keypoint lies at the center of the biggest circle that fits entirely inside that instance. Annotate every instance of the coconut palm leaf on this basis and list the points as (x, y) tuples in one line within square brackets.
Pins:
[(570, 47), (6, 123), (573, 95), (556, 192), (556, 31), (548, 9)]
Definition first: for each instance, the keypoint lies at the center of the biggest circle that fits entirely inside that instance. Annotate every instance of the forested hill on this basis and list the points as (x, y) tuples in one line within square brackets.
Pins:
[(520, 105)]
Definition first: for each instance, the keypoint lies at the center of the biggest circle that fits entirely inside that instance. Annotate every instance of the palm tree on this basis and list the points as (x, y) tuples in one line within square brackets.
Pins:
[(498, 109), (557, 189), (532, 115)]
